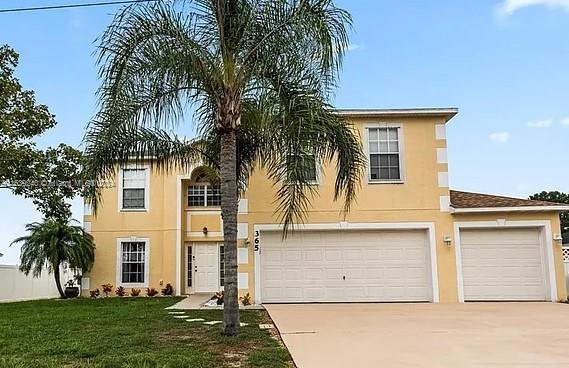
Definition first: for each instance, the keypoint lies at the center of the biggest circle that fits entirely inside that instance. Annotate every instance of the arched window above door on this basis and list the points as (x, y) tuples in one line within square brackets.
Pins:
[(201, 192)]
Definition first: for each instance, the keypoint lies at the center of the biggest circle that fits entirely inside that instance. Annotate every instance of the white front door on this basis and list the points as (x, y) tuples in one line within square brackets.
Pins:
[(206, 267)]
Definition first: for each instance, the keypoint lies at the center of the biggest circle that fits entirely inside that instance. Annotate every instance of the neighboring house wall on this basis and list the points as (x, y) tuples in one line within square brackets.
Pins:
[(15, 286)]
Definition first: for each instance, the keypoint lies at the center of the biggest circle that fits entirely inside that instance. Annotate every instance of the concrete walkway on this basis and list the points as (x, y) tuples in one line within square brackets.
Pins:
[(191, 302), (481, 335)]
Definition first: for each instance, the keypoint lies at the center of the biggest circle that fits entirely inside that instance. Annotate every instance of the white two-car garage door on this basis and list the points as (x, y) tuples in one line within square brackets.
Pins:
[(502, 264), (345, 266)]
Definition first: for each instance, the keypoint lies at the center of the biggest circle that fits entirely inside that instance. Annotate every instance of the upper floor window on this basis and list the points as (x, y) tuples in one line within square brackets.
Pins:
[(201, 193), (134, 189), (384, 154)]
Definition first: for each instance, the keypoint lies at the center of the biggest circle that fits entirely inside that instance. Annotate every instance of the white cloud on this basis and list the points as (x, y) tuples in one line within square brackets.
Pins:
[(565, 121), (353, 47), (499, 137), (541, 123), (508, 7)]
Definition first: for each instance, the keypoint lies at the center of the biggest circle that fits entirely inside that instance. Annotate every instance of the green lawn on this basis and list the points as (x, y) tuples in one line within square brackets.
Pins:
[(130, 332)]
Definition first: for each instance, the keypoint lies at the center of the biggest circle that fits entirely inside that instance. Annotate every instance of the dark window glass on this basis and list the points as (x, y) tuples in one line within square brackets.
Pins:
[(133, 198), (221, 265), (196, 195), (134, 185), (133, 262), (213, 195), (384, 156), (204, 195)]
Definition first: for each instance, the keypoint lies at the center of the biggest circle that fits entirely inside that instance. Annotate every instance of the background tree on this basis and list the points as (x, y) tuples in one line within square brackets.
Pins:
[(257, 74), (47, 177), (559, 197), (53, 243)]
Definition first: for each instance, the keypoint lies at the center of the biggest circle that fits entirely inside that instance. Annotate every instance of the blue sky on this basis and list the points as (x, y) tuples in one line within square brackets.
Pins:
[(503, 63)]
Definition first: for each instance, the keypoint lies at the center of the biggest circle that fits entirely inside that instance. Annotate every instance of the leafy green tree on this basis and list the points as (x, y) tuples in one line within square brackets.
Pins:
[(257, 76), (53, 243), (47, 177), (558, 197)]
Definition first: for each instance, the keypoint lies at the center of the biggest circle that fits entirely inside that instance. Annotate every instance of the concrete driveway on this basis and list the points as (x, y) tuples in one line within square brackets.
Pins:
[(425, 335)]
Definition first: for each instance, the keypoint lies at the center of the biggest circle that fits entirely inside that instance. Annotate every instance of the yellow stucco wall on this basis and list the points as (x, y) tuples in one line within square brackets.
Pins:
[(417, 199)]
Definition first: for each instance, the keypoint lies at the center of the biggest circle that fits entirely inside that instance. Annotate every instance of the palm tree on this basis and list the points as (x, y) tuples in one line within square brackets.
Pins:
[(255, 75), (53, 243)]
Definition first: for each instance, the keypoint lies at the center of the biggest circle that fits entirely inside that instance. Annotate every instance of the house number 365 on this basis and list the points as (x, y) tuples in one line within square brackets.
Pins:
[(257, 240)]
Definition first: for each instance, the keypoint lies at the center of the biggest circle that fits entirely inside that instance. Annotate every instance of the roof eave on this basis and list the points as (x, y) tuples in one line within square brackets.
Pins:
[(447, 113), (510, 209)]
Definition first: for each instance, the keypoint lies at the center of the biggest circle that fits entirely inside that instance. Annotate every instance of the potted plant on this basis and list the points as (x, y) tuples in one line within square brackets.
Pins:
[(168, 290), (219, 297), (71, 291)]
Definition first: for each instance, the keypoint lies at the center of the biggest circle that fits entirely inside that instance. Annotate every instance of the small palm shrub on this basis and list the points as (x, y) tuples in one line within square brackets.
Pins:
[(120, 291), (151, 292), (246, 299), (107, 288), (134, 292)]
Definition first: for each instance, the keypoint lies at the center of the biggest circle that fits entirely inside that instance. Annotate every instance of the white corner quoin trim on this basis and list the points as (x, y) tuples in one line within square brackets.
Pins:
[(344, 225), (546, 242)]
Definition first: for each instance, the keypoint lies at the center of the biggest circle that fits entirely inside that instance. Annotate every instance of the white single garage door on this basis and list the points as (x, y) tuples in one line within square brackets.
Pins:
[(345, 266), (502, 264)]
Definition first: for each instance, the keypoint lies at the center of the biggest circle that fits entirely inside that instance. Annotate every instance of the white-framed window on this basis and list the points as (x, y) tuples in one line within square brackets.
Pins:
[(201, 193), (132, 262), (384, 154), (133, 189)]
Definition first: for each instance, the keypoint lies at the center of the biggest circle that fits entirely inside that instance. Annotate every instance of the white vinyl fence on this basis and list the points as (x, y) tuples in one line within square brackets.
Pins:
[(15, 286)]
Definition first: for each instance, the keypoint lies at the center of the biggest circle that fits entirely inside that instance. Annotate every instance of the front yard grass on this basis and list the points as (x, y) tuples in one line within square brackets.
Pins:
[(128, 332)]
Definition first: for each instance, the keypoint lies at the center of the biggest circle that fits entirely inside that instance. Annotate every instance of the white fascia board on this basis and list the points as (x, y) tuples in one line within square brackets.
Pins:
[(511, 209), (449, 113)]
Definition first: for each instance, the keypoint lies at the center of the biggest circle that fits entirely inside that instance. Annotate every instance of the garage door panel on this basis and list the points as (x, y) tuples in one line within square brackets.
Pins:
[(502, 264), (292, 256), (377, 265)]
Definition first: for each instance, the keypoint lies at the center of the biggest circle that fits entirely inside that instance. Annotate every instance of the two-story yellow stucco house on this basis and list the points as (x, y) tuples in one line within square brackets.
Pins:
[(409, 237)]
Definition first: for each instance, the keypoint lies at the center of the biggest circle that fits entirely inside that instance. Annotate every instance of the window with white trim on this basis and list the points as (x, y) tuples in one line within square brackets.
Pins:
[(133, 262), (134, 189), (201, 193), (384, 154)]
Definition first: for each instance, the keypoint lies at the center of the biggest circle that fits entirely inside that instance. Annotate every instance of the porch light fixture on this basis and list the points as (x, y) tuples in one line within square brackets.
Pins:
[(558, 238), (447, 240), (204, 230)]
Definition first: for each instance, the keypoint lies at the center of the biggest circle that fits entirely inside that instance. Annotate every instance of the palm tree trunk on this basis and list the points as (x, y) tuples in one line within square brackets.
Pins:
[(57, 277), (229, 216)]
